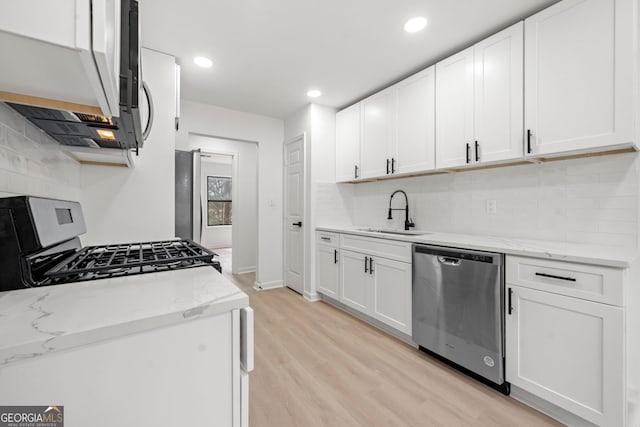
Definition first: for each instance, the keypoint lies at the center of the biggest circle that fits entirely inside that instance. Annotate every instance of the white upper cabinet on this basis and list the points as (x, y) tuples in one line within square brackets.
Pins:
[(498, 100), (454, 109), (578, 76), (479, 102), (76, 42), (415, 123), (378, 115), (348, 144)]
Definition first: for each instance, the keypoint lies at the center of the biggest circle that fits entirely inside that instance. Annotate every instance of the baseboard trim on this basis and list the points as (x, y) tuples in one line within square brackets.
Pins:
[(244, 270), (263, 286), (312, 297), (548, 408), (373, 322)]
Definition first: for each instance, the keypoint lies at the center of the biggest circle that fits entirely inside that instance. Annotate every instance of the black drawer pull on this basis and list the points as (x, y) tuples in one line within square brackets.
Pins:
[(551, 276), (335, 256), (393, 165), (370, 265), (468, 153), (388, 166), (509, 306), (366, 267), (528, 141), (326, 239)]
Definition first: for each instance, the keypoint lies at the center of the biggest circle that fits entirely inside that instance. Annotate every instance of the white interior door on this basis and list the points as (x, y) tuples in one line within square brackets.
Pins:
[(294, 221)]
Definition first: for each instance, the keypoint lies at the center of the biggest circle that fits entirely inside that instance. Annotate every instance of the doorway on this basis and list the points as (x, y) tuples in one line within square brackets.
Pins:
[(228, 200)]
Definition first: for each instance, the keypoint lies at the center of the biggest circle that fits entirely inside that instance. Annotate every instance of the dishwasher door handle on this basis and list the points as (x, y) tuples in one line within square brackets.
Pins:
[(449, 261)]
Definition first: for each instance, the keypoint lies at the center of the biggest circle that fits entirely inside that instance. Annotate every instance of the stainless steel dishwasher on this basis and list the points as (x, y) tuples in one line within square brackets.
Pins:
[(458, 309)]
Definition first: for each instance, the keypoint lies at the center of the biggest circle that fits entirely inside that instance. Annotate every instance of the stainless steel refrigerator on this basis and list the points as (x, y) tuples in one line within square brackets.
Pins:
[(188, 223)]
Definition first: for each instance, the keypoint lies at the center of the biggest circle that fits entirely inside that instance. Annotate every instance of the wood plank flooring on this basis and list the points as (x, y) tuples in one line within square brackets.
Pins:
[(317, 366)]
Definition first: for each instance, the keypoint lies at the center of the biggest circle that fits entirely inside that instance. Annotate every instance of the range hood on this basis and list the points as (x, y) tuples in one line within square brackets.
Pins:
[(85, 126), (80, 129)]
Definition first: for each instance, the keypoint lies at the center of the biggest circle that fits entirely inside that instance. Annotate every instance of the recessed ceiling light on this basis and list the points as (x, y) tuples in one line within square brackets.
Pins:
[(415, 24), (314, 93), (203, 62)]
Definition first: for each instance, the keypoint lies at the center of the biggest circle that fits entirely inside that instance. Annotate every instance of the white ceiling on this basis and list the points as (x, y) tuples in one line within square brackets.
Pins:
[(267, 53)]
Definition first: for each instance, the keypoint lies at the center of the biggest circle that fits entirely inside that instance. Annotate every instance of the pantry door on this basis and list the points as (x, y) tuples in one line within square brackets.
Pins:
[(294, 219)]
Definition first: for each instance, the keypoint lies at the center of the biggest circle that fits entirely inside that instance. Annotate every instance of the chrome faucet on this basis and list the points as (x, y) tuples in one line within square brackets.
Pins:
[(408, 222)]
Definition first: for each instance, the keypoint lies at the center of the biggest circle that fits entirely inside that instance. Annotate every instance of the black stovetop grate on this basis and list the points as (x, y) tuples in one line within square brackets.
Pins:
[(103, 261)]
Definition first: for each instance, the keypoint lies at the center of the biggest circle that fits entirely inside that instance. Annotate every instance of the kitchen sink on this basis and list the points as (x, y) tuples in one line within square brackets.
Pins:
[(398, 232)]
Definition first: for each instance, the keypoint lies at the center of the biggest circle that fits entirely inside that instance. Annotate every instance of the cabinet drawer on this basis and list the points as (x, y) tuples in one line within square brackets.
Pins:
[(594, 283), (328, 238), (391, 249)]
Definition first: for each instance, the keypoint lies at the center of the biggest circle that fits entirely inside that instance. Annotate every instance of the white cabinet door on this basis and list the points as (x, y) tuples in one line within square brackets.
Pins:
[(498, 96), (454, 109), (354, 280), (415, 123), (327, 272), (377, 134), (391, 288), (348, 144), (578, 75), (567, 351)]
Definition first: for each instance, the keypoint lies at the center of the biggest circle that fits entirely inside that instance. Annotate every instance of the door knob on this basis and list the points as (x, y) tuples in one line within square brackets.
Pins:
[(299, 223)]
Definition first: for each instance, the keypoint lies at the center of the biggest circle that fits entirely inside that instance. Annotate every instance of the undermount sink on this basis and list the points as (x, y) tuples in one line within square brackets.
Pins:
[(400, 232)]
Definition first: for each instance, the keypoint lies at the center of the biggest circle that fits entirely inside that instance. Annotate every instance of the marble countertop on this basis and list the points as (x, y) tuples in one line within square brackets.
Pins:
[(587, 254), (39, 321)]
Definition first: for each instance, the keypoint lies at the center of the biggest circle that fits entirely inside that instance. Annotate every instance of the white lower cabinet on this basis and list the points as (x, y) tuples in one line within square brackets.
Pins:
[(328, 275), (378, 287), (355, 280), (567, 351), (391, 290)]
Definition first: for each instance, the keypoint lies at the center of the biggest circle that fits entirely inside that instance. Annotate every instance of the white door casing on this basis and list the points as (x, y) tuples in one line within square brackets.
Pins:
[(294, 218)]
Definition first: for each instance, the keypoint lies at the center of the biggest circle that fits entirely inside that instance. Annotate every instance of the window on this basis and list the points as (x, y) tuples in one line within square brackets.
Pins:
[(218, 200)]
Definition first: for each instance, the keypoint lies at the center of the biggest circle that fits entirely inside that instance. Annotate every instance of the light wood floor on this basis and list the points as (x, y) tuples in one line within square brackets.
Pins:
[(317, 366)]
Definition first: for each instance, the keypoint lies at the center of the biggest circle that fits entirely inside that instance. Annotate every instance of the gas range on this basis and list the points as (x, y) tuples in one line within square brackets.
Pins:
[(41, 247)]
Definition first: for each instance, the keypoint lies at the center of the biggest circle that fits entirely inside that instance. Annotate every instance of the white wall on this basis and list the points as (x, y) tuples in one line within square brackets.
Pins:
[(245, 194), (31, 162), (202, 119), (592, 201), (127, 205), (219, 236)]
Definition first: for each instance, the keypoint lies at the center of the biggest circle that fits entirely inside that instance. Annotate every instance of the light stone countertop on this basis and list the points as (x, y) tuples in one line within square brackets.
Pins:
[(38, 321), (608, 256)]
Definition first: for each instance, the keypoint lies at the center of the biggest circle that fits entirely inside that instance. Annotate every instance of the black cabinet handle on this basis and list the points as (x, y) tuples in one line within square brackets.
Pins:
[(528, 141), (326, 239), (551, 276), (370, 265), (335, 256), (510, 307), (387, 166), (366, 260), (477, 152), (468, 153), (356, 171), (299, 223), (393, 165)]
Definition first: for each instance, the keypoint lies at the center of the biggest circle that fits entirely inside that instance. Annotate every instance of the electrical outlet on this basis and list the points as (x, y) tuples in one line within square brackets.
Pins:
[(492, 206)]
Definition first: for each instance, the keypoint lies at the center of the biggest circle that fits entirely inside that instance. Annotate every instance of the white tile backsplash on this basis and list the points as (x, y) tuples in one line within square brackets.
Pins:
[(32, 163), (591, 200)]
